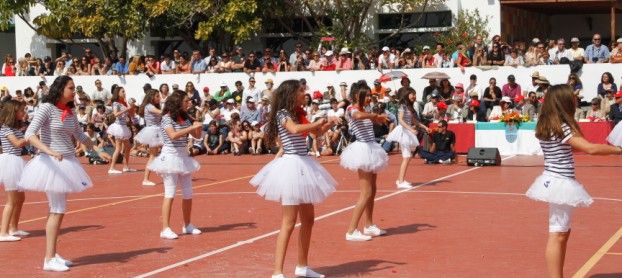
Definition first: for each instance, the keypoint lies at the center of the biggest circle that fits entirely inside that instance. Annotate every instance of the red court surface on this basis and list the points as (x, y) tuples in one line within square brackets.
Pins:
[(458, 222)]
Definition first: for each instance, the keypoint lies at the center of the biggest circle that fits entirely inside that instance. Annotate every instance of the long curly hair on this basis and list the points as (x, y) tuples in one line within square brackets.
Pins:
[(558, 108), (174, 106), (285, 97), (56, 91), (403, 94), (8, 114), (148, 99)]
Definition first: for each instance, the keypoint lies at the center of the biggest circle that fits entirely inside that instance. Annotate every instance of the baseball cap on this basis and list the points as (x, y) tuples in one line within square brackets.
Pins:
[(206, 89), (376, 82), (619, 94), (425, 47), (474, 103), (506, 99), (441, 105), (175, 86), (269, 81), (574, 39), (223, 84), (385, 48), (328, 53), (619, 40), (519, 98), (535, 74), (231, 101), (79, 88), (254, 123), (250, 99), (459, 85), (343, 84)]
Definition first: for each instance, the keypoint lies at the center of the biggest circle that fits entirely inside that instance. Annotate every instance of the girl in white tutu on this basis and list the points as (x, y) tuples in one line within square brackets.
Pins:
[(366, 157), (120, 131), (12, 118), (174, 163), (55, 170), (294, 179), (615, 137), (559, 134), (405, 133), (150, 135)]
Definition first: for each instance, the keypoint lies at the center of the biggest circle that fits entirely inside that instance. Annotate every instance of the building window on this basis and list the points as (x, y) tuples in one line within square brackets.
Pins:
[(415, 20)]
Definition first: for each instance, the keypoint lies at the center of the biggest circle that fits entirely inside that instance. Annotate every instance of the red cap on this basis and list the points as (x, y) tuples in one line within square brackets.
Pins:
[(318, 95), (441, 105), (459, 85), (474, 103), (206, 89), (618, 94), (519, 98)]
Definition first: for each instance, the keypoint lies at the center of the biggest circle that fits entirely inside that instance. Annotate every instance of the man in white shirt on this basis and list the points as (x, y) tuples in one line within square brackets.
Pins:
[(576, 51), (473, 88), (561, 52), (228, 110), (386, 60), (335, 111), (212, 55), (440, 58), (100, 93), (294, 56), (251, 90)]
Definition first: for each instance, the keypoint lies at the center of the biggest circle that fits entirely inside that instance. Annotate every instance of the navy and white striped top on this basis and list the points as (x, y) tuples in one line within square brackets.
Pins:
[(408, 114), (363, 130), (558, 158), (152, 118), (122, 118), (53, 132), (180, 142), (292, 143), (7, 147)]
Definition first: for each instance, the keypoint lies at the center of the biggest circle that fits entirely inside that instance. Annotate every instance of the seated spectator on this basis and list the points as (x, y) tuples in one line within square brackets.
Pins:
[(457, 111), (335, 110), (511, 89), (514, 60), (503, 108), (443, 145), (386, 60), (607, 101), (472, 114), (197, 145), (445, 90), (167, 66), (378, 90), (184, 65), (595, 113), (480, 58), (496, 56), (256, 136), (525, 106), (328, 63), (607, 83), (441, 112), (236, 137), (97, 155), (596, 52), (615, 110), (492, 96), (249, 112), (427, 59), (576, 51), (344, 62), (458, 92), (429, 109), (229, 110), (213, 140), (616, 57)]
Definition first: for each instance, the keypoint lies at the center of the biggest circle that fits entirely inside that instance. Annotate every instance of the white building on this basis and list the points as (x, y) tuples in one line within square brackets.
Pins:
[(513, 19)]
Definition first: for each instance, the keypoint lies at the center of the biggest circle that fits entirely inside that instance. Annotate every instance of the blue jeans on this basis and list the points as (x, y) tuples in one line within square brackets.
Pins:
[(435, 157)]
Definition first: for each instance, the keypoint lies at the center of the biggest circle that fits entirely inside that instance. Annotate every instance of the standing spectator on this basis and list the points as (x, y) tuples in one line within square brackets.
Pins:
[(480, 57), (119, 68), (443, 145), (136, 66), (152, 66), (428, 90), (225, 64), (492, 96), (427, 59), (606, 84), (238, 94), (252, 64), (344, 62), (211, 57), (477, 43), (511, 89), (576, 51), (440, 58), (386, 60), (531, 57), (100, 93), (196, 63), (269, 88), (249, 112), (193, 94), (251, 90), (283, 63), (596, 52)]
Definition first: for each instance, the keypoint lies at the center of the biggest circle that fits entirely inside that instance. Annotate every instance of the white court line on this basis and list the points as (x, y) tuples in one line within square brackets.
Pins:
[(251, 240)]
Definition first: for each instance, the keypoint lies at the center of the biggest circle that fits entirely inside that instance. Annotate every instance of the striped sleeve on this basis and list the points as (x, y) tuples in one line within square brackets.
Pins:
[(567, 133), (282, 117), (42, 117), (78, 134), (167, 122)]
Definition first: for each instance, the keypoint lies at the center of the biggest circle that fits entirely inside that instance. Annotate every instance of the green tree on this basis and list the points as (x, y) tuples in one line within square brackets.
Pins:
[(467, 25)]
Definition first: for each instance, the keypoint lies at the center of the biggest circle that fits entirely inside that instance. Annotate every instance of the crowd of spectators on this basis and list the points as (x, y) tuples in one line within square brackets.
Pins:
[(476, 53)]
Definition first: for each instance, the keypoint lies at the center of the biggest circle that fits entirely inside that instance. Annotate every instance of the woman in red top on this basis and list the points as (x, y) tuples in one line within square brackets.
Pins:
[(8, 68)]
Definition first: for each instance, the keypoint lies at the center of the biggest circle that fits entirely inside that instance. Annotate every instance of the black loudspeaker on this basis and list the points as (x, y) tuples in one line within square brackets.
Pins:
[(483, 157)]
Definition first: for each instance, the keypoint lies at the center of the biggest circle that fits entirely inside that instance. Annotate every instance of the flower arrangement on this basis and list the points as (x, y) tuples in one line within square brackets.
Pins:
[(513, 118)]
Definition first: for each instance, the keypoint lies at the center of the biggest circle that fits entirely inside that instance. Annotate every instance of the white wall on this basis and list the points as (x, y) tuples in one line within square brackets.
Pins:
[(319, 80)]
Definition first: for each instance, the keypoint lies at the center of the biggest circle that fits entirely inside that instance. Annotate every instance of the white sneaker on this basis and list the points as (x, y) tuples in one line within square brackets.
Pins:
[(9, 238), (54, 265), (62, 260), (148, 183), (305, 271), (190, 229), (373, 230), (278, 275), (19, 233), (130, 170), (357, 236), (317, 154), (445, 162), (168, 234), (404, 185), (114, 172)]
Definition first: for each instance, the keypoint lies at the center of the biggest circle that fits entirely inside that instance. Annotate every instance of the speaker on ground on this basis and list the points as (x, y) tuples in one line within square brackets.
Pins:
[(483, 157)]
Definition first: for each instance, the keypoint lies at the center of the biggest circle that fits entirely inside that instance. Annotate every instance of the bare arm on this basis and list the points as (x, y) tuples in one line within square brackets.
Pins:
[(176, 134), (583, 145)]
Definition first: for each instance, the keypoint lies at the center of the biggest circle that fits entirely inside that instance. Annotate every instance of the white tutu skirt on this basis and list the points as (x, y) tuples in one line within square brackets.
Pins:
[(615, 137), (119, 131), (10, 171), (294, 180), (559, 190), (174, 161), (365, 156), (150, 136), (47, 174), (404, 137)]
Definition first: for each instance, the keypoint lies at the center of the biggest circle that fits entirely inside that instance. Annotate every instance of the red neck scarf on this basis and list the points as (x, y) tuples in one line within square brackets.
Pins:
[(66, 110), (181, 120), (122, 101), (301, 116)]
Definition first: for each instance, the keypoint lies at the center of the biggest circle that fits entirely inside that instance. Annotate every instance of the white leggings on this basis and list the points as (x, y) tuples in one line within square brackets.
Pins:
[(57, 202), (171, 181), (559, 218)]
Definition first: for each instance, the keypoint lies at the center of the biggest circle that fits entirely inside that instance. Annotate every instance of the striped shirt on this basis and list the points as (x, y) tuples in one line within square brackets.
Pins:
[(292, 143), (152, 118), (122, 118), (55, 133), (558, 158), (408, 114), (7, 147), (363, 130), (179, 142)]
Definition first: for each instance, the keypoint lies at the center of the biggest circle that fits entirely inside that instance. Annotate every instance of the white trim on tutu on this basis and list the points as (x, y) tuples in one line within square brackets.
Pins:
[(615, 137), (365, 156), (119, 131), (294, 180), (47, 174), (404, 137), (11, 167), (174, 161), (559, 190), (150, 136)]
